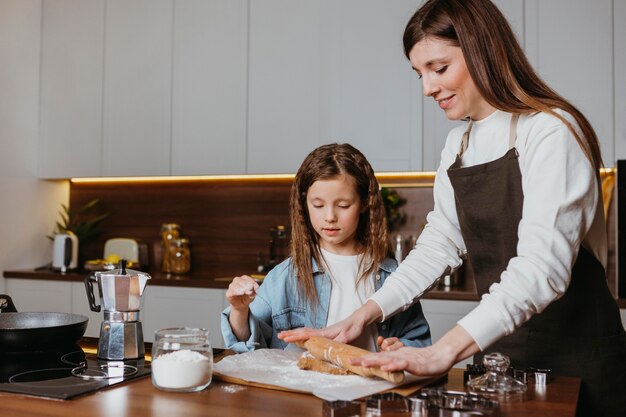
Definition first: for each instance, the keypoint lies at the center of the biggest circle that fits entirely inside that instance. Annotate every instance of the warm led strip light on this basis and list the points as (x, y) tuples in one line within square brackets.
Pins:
[(380, 176), (418, 175)]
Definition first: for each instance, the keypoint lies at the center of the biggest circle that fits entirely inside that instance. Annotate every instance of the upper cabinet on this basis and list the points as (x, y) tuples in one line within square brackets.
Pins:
[(137, 116), (569, 42), (193, 87), (140, 88), (71, 88), (210, 87), (287, 96)]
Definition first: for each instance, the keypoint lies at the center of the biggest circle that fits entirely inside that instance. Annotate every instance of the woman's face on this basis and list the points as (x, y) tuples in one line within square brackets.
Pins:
[(442, 69), (334, 209)]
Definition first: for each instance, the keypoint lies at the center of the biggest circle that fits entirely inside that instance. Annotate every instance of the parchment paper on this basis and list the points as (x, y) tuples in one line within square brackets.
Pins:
[(279, 368)]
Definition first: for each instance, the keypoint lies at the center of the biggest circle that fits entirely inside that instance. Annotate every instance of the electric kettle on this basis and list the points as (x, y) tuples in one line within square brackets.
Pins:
[(65, 252)]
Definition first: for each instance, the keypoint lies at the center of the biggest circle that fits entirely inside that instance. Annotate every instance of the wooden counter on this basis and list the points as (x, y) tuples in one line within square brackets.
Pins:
[(466, 292), (140, 398)]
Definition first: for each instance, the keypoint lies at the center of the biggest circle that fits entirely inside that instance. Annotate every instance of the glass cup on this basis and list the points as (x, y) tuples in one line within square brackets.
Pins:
[(182, 359)]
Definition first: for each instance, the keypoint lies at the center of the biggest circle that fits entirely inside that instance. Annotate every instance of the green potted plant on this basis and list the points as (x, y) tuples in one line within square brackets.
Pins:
[(84, 222), (392, 202)]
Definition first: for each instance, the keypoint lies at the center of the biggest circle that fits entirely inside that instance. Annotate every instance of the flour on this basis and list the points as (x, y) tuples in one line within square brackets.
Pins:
[(183, 370)]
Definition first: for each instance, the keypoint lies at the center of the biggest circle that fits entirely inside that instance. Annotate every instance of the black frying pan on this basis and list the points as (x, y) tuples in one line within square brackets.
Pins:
[(35, 332)]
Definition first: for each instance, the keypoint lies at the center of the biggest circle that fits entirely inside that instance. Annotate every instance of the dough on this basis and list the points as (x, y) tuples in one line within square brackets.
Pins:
[(311, 363)]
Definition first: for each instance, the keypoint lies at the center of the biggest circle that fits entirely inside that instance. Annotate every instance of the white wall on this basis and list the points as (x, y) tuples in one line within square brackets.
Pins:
[(28, 206)]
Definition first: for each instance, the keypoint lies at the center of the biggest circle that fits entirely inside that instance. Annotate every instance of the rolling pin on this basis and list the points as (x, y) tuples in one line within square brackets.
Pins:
[(341, 353)]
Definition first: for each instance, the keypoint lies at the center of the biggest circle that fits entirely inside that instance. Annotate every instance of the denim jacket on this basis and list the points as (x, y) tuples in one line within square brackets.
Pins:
[(277, 307)]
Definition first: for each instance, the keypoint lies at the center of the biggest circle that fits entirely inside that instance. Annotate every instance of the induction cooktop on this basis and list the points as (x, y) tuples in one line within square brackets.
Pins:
[(65, 374)]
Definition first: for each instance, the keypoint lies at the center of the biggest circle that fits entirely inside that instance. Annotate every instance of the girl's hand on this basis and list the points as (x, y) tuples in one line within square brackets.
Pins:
[(241, 292), (388, 345), (343, 331)]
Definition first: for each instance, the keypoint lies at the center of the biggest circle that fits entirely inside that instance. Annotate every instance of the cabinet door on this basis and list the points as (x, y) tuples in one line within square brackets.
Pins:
[(137, 87), (619, 48), (182, 307), (71, 88), (569, 43), (287, 102), (442, 315), (210, 87), (373, 100), (36, 295)]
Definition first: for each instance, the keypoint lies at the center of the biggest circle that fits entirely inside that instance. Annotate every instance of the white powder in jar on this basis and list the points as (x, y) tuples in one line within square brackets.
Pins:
[(182, 369)]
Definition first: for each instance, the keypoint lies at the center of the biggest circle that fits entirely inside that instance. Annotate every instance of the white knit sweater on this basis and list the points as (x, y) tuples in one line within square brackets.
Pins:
[(562, 210)]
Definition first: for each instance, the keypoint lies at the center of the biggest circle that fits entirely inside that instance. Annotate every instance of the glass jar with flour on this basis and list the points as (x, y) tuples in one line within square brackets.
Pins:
[(182, 359)]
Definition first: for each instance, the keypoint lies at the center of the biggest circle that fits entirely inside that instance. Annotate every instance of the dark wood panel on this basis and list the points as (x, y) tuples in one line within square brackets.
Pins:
[(227, 222)]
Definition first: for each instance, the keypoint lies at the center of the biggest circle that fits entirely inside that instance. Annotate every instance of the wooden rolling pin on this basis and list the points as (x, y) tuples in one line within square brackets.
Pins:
[(341, 353)]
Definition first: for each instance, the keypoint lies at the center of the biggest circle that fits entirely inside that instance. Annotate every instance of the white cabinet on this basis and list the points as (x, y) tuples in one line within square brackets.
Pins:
[(71, 88), (40, 295), (619, 48), (183, 307), (442, 315), (373, 100), (287, 94), (137, 87), (163, 306), (569, 44), (209, 87), (165, 87)]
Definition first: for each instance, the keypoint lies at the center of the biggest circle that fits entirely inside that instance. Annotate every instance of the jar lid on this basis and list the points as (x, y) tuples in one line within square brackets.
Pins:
[(180, 241)]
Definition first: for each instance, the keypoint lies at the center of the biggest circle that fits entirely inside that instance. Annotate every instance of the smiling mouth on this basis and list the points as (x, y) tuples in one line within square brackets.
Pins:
[(443, 103)]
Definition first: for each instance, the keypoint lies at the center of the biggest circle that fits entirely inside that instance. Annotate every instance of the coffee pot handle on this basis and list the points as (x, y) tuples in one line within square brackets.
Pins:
[(89, 280)]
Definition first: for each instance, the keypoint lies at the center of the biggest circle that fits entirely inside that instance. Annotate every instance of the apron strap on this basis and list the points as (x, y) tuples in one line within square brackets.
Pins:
[(513, 130), (465, 140), (512, 134)]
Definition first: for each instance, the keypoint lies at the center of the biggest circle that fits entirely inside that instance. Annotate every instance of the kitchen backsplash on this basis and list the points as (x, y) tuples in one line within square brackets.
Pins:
[(228, 221)]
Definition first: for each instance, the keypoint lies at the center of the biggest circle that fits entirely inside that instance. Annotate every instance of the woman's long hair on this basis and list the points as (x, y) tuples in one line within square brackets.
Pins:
[(496, 62), (324, 163)]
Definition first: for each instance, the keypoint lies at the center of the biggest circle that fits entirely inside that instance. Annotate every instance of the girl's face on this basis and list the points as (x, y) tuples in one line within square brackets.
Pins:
[(334, 209), (445, 77)]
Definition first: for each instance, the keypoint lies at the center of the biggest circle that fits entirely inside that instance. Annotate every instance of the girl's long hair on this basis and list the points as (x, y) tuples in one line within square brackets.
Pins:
[(496, 62), (324, 163)]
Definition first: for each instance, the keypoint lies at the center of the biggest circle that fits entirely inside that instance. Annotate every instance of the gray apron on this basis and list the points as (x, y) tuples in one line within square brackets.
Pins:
[(581, 333)]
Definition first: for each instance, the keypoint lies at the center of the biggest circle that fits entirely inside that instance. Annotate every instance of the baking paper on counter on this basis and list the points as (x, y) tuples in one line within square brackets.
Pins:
[(279, 368)]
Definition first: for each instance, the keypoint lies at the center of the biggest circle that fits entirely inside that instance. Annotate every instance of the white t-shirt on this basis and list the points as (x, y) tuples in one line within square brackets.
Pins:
[(346, 296), (562, 209)]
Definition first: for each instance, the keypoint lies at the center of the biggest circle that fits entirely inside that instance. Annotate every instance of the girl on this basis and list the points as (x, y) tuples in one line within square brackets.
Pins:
[(338, 259), (518, 190)]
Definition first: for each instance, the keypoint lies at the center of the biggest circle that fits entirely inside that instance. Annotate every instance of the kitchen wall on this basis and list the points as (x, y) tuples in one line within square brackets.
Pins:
[(28, 206)]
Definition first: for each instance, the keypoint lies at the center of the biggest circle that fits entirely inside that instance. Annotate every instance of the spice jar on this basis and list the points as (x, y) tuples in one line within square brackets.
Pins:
[(169, 232), (182, 359), (179, 256)]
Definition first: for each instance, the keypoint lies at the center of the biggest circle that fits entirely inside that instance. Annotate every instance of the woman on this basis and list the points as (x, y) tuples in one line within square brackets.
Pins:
[(517, 190)]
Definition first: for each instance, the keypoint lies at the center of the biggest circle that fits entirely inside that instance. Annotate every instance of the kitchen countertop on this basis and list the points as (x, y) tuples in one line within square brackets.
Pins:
[(139, 398), (464, 292)]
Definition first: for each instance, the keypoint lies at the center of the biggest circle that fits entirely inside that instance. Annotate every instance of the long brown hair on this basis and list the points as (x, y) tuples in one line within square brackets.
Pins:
[(327, 162), (496, 62)]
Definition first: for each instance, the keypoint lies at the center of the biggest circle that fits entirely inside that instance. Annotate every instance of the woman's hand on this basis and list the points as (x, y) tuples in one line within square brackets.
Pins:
[(433, 360), (241, 292), (388, 345), (418, 361), (343, 331)]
